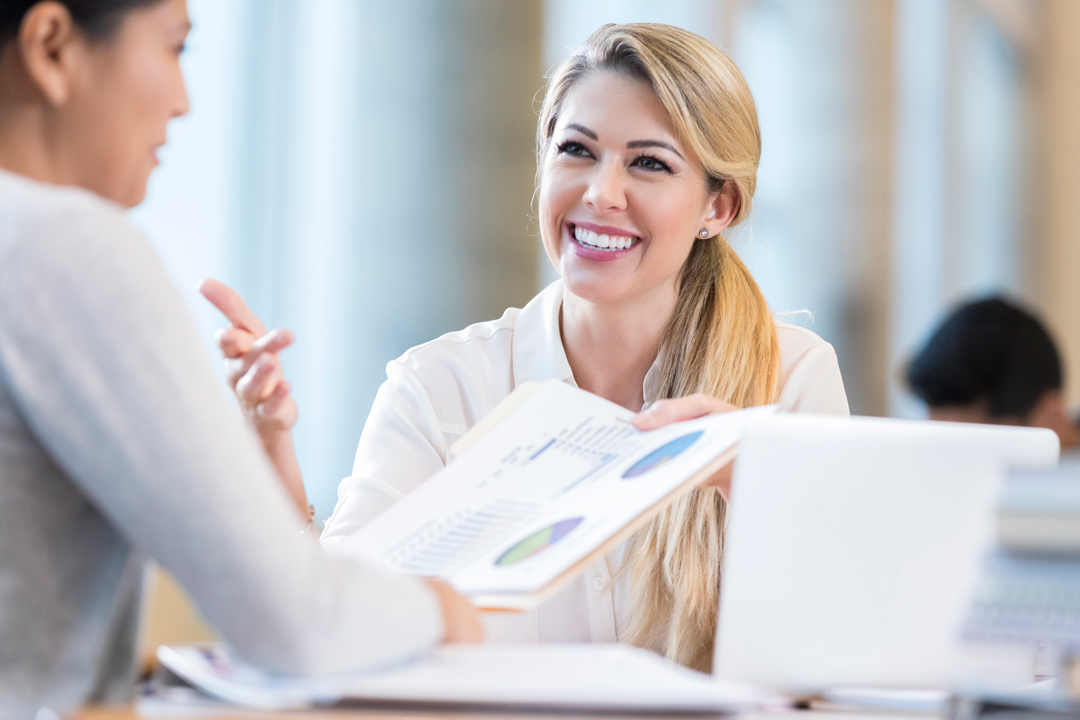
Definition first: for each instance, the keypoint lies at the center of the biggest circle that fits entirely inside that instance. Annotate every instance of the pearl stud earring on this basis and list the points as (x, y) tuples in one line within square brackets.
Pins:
[(703, 233)]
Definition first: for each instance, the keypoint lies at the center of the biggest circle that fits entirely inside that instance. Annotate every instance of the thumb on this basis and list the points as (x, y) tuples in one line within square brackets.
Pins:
[(232, 306)]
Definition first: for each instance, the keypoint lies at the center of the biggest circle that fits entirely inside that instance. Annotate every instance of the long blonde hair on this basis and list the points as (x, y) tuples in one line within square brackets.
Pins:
[(721, 339)]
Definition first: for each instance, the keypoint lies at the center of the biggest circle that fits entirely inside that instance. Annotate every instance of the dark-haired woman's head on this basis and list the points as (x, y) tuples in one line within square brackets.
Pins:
[(990, 361), (87, 88)]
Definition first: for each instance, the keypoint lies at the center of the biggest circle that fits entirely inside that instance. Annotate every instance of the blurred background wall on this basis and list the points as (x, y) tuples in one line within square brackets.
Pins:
[(362, 172)]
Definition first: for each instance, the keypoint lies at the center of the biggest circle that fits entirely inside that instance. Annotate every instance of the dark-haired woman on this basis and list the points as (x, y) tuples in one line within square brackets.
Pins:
[(115, 441)]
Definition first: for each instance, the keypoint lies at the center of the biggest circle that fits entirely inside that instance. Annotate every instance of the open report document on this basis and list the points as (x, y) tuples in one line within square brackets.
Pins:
[(554, 480), (582, 677)]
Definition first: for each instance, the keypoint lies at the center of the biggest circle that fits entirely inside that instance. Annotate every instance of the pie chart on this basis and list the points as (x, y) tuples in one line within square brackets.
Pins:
[(538, 541), (661, 455)]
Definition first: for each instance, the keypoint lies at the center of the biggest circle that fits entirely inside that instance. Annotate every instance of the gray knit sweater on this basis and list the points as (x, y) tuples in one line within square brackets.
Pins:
[(117, 442)]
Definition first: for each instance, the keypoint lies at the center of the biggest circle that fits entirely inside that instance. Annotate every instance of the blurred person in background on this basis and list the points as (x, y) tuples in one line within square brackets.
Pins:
[(990, 361), (647, 151), (116, 441)]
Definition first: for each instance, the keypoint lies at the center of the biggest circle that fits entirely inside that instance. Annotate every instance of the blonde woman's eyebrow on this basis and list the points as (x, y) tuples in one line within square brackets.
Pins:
[(634, 144), (583, 130)]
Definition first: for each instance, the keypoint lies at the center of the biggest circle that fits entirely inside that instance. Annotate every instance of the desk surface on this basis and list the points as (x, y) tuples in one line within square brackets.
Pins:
[(130, 713)]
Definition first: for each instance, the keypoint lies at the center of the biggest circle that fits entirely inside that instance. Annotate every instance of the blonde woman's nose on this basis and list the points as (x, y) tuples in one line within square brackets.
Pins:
[(606, 192)]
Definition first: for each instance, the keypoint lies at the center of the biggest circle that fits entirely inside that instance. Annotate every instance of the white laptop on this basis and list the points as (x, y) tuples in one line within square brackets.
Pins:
[(853, 545)]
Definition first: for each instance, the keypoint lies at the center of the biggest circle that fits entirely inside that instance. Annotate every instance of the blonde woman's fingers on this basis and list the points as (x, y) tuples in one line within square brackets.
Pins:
[(665, 412), (721, 480)]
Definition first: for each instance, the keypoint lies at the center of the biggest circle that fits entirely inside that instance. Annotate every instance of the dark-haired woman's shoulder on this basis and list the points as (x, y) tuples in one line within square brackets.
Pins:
[(810, 378), (27, 205), (59, 234), (70, 256)]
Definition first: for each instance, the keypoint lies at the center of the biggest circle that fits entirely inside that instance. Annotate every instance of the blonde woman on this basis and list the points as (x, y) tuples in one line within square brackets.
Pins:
[(647, 150)]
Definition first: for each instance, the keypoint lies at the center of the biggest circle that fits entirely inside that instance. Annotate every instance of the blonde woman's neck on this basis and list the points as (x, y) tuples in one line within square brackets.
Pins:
[(611, 346)]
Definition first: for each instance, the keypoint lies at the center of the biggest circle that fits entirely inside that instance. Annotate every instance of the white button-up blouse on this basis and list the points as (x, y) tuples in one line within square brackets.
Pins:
[(436, 391)]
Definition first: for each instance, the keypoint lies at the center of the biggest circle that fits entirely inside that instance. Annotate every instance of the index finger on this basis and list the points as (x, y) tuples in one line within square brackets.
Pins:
[(232, 306)]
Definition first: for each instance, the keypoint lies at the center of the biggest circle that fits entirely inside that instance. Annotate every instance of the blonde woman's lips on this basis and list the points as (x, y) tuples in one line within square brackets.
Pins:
[(601, 243)]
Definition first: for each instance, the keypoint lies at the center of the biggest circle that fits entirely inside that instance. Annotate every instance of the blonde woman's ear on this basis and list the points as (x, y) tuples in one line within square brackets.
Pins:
[(724, 209)]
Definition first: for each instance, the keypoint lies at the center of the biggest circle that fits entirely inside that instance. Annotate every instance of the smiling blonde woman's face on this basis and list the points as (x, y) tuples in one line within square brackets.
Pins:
[(621, 199)]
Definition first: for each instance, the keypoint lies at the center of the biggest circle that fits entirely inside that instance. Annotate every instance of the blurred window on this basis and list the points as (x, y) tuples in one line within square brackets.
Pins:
[(960, 192), (989, 169)]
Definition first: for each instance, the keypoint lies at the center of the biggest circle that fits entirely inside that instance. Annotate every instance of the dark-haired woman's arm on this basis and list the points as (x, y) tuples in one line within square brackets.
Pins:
[(101, 359)]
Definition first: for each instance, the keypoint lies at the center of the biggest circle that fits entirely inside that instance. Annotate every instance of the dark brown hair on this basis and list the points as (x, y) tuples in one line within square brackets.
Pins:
[(992, 351), (97, 19)]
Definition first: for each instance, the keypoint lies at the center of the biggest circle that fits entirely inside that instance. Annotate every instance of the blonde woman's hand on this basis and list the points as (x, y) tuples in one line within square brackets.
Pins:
[(665, 412), (252, 365), (461, 619)]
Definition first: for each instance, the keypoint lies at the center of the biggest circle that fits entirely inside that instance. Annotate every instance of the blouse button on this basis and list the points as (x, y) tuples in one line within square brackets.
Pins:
[(598, 583)]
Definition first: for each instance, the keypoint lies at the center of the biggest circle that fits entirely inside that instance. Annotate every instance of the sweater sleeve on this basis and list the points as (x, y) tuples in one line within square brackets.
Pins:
[(105, 366)]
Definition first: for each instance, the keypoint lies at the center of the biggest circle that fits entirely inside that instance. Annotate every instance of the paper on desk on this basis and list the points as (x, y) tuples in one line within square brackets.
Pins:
[(543, 677), (548, 485)]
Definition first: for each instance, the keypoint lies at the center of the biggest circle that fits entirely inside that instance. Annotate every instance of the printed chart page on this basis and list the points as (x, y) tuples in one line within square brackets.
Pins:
[(546, 487)]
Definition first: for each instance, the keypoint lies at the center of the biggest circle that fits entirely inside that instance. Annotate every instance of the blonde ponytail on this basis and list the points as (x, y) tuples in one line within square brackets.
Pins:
[(721, 339)]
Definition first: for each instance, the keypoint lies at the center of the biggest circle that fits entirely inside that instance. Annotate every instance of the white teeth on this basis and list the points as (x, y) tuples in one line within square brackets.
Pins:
[(608, 242)]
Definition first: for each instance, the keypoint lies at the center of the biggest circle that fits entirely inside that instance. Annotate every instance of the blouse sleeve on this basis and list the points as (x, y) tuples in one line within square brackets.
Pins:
[(402, 445), (812, 383)]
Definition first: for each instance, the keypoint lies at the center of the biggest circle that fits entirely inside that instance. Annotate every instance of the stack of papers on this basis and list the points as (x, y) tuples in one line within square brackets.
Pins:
[(580, 677)]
